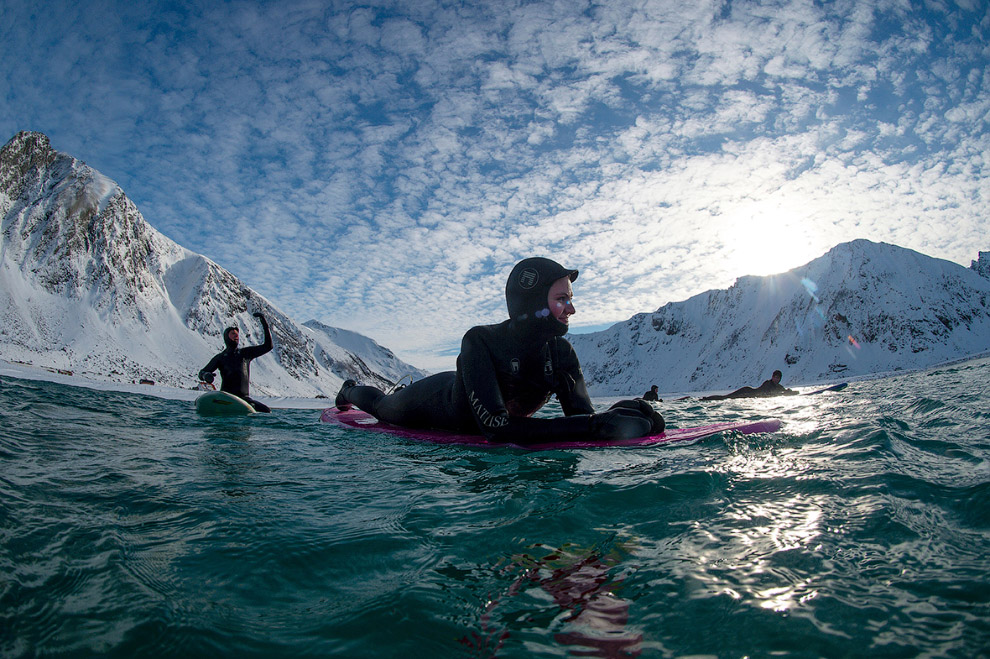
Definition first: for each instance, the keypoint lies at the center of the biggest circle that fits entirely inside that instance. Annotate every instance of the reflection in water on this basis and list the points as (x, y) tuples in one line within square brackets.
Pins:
[(764, 546), (765, 552), (594, 616), (776, 528), (231, 430), (231, 455)]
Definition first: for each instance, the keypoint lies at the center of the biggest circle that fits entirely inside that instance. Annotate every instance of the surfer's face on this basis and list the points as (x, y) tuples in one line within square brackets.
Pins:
[(234, 335), (560, 299)]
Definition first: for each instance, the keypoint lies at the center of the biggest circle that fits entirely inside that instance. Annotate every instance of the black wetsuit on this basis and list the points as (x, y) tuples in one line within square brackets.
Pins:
[(767, 389), (505, 373), (652, 395), (235, 366)]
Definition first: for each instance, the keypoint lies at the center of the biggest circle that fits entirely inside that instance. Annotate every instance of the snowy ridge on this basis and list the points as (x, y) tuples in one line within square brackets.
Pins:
[(88, 286), (862, 308), (360, 357)]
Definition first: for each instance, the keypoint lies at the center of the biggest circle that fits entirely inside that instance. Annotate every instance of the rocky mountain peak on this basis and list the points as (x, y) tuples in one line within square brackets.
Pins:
[(21, 161), (86, 284), (982, 265), (74, 228)]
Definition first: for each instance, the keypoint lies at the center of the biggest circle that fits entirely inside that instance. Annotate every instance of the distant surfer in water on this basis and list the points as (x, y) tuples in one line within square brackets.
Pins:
[(652, 394), (235, 364), (506, 372), (771, 387)]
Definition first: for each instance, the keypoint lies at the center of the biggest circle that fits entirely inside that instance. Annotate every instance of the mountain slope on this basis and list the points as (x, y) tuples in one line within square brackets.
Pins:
[(87, 285), (862, 308)]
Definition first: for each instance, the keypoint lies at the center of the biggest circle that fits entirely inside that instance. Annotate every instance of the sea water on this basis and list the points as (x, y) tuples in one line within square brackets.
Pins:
[(130, 526)]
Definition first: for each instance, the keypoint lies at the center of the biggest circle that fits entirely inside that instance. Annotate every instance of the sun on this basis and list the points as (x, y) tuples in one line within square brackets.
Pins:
[(768, 237)]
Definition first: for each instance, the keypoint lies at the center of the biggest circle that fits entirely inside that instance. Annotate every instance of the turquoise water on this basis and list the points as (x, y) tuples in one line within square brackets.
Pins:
[(132, 527)]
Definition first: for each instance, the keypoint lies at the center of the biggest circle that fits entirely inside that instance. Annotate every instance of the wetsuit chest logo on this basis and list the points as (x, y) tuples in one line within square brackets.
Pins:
[(514, 367)]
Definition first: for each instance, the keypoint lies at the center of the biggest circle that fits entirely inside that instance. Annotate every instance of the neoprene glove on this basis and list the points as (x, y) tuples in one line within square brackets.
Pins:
[(206, 376), (657, 424), (627, 419)]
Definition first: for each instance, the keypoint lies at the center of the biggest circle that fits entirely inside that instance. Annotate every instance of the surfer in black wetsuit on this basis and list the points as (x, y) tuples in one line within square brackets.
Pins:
[(771, 387), (235, 364), (652, 394), (506, 372)]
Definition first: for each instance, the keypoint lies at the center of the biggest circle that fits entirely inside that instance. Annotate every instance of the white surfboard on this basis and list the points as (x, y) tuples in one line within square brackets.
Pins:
[(220, 403)]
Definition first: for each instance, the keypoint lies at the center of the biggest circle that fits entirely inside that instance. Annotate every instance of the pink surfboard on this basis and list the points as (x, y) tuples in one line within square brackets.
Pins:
[(355, 418)]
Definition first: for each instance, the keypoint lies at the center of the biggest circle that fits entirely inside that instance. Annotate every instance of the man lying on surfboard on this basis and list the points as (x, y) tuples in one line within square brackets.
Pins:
[(771, 387), (235, 364), (506, 372)]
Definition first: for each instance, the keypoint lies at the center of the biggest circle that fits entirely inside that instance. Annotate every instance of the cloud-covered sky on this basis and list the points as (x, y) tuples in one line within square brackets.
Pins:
[(380, 166)]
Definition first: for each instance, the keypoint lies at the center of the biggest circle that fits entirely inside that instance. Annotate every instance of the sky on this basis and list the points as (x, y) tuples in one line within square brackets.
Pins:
[(380, 166)]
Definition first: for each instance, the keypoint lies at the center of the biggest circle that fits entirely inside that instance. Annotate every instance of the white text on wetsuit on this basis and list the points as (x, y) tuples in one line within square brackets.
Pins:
[(487, 418)]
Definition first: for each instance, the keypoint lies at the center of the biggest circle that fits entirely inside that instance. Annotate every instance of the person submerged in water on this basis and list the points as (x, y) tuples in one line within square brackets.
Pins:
[(653, 394), (508, 371), (235, 364), (771, 387)]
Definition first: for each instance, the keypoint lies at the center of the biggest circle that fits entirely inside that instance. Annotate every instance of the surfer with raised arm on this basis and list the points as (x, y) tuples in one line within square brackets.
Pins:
[(235, 364), (507, 372), (771, 387)]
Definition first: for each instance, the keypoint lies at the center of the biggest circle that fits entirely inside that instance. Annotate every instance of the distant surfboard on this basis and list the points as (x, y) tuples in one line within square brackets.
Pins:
[(220, 403), (356, 419), (834, 387)]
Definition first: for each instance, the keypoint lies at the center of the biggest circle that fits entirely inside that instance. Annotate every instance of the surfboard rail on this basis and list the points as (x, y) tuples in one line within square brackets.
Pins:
[(357, 420), (220, 403)]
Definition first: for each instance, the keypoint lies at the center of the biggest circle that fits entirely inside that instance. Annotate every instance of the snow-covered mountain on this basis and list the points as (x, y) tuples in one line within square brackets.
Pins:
[(357, 357), (860, 309), (87, 285)]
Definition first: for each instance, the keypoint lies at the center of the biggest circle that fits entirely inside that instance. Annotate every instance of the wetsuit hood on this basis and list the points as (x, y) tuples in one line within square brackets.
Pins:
[(526, 294), (226, 339)]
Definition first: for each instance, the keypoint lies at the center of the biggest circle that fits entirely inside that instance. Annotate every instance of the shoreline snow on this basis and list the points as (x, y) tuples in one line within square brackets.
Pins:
[(39, 373)]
